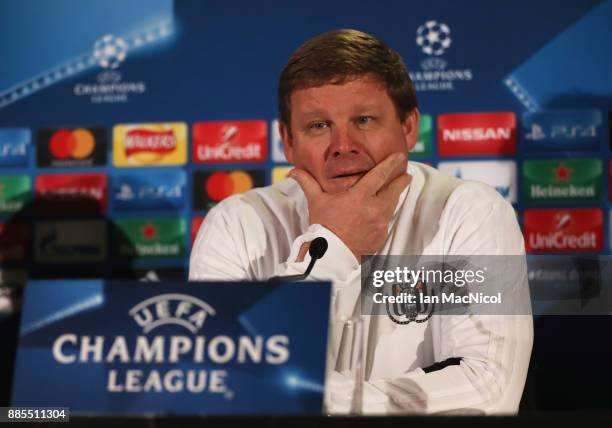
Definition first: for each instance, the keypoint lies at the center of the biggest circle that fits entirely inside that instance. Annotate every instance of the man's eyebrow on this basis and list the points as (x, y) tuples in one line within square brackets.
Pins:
[(362, 107), (313, 114)]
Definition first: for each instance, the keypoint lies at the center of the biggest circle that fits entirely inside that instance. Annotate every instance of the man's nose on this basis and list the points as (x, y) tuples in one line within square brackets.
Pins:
[(344, 140)]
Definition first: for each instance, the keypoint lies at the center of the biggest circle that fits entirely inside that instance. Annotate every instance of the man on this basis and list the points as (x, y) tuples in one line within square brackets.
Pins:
[(348, 117)]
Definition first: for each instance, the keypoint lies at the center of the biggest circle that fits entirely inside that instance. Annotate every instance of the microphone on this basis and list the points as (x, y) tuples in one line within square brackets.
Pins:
[(318, 247)]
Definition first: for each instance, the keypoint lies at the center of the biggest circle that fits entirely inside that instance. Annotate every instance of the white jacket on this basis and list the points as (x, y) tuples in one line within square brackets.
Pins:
[(258, 234)]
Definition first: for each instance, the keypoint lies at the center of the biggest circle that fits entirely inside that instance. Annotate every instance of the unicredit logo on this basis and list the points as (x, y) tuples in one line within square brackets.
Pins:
[(562, 220), (224, 142), (225, 151), (563, 231), (144, 140), (560, 241)]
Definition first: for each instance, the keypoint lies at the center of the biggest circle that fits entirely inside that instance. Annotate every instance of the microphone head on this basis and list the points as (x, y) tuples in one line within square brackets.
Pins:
[(318, 247)]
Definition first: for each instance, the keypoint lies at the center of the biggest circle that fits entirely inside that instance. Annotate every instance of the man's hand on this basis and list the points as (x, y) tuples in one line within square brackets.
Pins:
[(360, 215)]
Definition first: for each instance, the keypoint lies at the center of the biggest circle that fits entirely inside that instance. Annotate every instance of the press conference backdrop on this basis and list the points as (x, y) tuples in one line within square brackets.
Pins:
[(149, 112)]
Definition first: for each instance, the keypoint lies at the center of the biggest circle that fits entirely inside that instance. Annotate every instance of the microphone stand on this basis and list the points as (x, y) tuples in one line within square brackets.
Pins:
[(317, 249)]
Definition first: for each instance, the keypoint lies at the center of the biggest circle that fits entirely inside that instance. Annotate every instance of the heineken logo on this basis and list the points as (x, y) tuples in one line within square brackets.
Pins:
[(562, 180), (15, 191), (149, 232), (562, 173), (160, 237)]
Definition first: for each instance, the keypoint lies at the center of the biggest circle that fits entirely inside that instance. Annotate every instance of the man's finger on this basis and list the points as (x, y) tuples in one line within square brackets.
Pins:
[(309, 185), (395, 187), (378, 176)]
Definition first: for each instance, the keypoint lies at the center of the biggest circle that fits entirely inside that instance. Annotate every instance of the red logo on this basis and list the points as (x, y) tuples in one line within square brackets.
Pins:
[(211, 187), (13, 241), (226, 142), (196, 222), (473, 134), (610, 179), (76, 144), (572, 230), (73, 192), (149, 232), (563, 173), (146, 140)]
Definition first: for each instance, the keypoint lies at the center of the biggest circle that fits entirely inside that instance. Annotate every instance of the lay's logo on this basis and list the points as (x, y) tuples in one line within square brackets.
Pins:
[(146, 141), (150, 144)]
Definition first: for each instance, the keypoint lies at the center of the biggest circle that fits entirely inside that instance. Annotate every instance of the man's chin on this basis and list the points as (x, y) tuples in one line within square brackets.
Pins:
[(341, 184)]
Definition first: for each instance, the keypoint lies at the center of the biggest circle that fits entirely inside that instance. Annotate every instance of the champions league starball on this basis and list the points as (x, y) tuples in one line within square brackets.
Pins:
[(433, 37), (110, 51)]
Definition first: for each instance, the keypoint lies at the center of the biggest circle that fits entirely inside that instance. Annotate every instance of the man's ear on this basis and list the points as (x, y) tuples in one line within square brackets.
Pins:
[(411, 128), (283, 129)]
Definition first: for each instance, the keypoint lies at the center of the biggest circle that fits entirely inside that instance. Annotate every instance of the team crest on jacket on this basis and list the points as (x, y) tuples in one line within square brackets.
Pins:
[(418, 308)]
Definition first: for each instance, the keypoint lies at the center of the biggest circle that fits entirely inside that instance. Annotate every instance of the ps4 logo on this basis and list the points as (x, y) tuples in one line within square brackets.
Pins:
[(17, 150), (165, 190), (560, 132), (126, 192), (14, 144)]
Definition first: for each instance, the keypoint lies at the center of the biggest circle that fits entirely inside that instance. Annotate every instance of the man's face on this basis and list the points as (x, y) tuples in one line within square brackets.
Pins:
[(340, 132)]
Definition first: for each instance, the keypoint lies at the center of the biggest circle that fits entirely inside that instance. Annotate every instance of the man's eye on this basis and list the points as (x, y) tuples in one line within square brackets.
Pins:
[(363, 120), (318, 125)]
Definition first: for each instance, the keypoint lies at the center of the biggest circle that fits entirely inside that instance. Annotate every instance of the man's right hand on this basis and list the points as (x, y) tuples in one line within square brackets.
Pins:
[(360, 215)]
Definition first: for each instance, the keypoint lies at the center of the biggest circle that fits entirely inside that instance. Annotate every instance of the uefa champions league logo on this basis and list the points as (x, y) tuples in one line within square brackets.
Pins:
[(433, 37), (110, 51), (174, 308)]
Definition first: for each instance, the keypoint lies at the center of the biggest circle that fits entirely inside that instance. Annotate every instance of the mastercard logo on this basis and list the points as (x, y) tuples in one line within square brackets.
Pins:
[(211, 187), (75, 144), (222, 184)]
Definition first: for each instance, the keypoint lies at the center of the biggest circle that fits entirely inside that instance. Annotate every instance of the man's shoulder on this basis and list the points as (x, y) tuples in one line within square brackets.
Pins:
[(436, 185), (472, 217)]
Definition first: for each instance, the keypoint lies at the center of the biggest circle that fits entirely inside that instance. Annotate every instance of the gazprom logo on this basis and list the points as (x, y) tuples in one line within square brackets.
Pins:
[(178, 309)]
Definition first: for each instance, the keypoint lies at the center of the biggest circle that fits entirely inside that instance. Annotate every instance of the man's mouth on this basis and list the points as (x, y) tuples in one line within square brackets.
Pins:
[(351, 174)]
